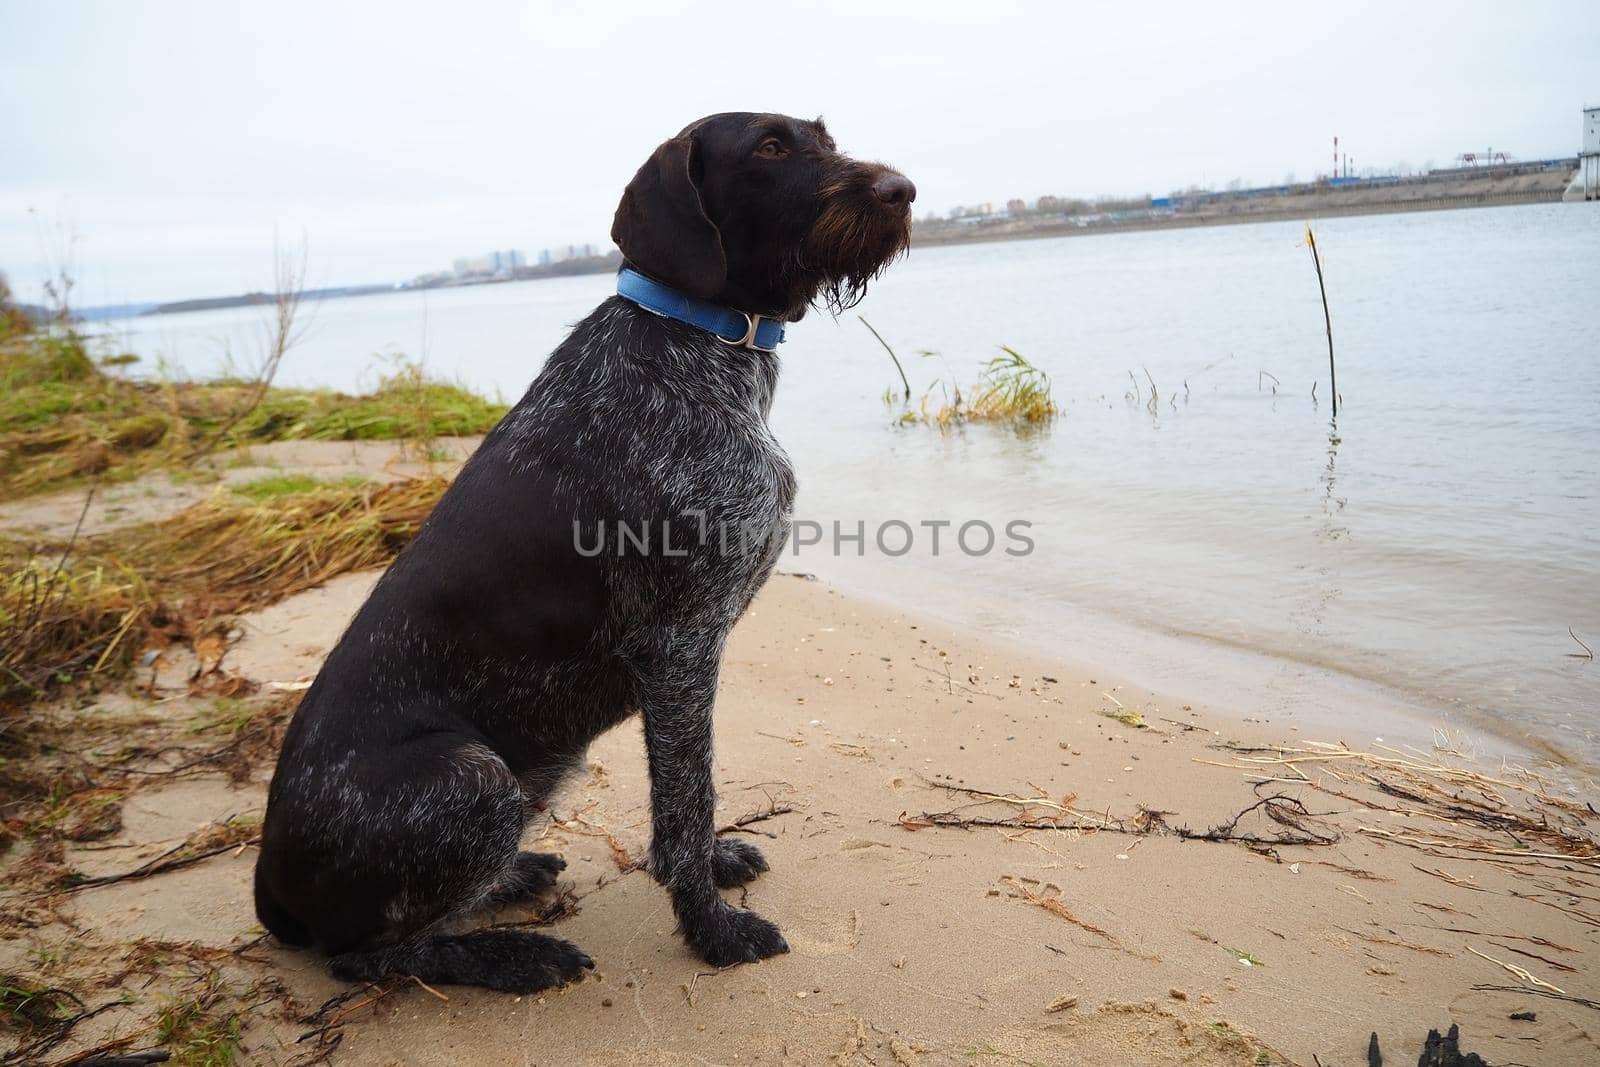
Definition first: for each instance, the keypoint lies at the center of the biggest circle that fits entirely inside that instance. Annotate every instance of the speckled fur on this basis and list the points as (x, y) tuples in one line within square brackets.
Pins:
[(492, 653)]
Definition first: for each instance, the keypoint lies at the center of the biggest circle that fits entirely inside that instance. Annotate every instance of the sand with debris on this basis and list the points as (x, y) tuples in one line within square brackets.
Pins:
[(971, 859)]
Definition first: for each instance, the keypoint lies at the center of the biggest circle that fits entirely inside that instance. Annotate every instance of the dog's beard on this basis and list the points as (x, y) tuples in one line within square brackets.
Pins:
[(852, 242)]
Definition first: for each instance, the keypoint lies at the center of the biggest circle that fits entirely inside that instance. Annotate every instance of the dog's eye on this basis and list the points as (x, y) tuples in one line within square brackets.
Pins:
[(771, 148)]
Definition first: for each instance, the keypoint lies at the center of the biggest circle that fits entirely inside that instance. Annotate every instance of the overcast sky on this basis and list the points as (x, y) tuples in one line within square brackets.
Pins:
[(173, 137)]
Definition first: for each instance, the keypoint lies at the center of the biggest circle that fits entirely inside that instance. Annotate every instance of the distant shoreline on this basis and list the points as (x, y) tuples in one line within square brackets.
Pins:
[(1304, 203), (1186, 222), (1504, 187), (602, 264)]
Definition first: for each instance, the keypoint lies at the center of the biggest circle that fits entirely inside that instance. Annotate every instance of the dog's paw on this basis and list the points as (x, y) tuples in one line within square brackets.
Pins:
[(734, 862), (549, 964), (734, 935), (540, 867), (531, 873)]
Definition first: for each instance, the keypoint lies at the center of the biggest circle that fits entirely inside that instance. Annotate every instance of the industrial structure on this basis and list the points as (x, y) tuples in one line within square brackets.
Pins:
[(1589, 158)]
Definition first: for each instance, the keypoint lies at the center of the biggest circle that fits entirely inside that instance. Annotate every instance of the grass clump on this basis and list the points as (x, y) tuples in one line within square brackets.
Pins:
[(197, 1032), (59, 623), (1009, 390), (1013, 389), (65, 419)]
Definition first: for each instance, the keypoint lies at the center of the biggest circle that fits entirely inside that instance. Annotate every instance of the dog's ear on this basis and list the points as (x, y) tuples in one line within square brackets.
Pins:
[(661, 224)]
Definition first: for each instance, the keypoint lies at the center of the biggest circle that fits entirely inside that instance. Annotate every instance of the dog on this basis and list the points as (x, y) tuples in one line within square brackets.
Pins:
[(578, 571)]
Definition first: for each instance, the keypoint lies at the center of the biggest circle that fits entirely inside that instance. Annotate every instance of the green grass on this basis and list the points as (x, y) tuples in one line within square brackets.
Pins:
[(24, 1004), (225, 716), (274, 486), (197, 1036)]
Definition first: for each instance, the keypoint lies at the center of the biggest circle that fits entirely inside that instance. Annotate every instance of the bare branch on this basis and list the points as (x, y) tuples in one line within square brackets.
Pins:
[(282, 331)]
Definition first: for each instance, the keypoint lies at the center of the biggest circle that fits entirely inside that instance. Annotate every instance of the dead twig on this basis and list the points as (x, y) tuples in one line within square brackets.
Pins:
[(742, 824), (212, 841), (328, 1019), (1054, 906)]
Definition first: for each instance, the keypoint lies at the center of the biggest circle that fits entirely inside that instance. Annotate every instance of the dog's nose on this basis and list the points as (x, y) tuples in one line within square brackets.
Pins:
[(894, 189)]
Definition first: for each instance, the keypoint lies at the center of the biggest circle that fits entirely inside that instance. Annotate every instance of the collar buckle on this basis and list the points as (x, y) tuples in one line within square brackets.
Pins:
[(752, 324)]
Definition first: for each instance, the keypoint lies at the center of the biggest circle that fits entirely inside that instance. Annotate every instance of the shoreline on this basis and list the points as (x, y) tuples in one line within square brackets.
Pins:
[(1166, 661)]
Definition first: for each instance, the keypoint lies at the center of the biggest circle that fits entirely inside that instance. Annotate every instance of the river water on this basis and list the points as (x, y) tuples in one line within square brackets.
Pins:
[(1226, 539)]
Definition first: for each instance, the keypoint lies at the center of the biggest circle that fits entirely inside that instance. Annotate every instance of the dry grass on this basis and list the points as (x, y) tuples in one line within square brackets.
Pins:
[(242, 556), (60, 622), (1516, 817), (86, 611)]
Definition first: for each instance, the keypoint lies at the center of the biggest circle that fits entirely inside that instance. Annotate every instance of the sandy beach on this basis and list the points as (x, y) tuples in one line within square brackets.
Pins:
[(978, 855)]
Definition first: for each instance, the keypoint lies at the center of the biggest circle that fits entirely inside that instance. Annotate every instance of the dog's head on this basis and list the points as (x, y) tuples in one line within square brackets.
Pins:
[(764, 214)]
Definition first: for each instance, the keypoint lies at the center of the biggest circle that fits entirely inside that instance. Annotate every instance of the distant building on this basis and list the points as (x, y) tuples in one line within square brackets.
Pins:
[(568, 252), (1016, 206), (490, 263)]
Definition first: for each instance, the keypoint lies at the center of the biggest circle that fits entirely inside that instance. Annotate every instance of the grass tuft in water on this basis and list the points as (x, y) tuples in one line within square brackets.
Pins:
[(1010, 390)]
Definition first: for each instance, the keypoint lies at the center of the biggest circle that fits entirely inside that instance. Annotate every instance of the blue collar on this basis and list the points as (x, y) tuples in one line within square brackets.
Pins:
[(737, 328)]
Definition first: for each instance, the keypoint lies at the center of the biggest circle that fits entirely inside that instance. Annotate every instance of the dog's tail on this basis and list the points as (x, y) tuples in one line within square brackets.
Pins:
[(512, 961), (279, 923)]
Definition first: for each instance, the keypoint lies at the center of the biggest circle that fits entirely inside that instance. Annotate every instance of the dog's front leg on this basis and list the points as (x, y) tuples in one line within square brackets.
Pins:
[(677, 703)]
